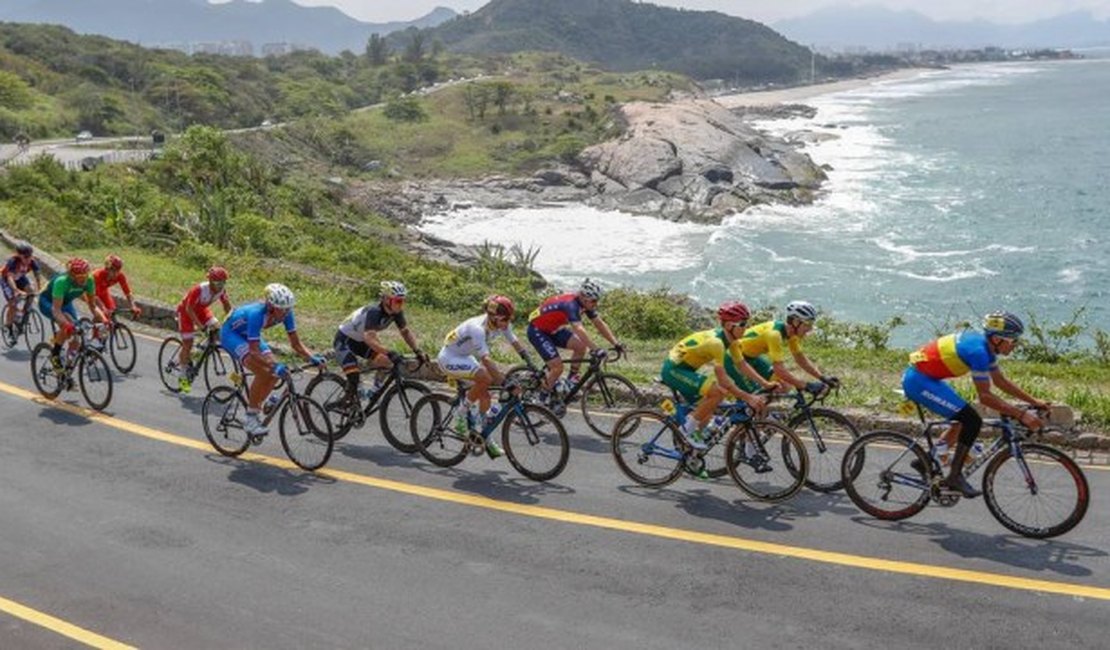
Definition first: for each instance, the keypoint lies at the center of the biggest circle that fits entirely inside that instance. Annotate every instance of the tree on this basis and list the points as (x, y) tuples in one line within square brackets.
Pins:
[(14, 92), (377, 52), (415, 50), (476, 97)]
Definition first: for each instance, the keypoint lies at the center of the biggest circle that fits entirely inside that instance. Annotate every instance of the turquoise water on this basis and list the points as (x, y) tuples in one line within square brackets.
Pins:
[(951, 194)]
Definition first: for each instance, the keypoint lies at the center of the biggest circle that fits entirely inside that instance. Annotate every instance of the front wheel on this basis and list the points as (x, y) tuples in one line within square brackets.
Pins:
[(34, 332), (121, 347), (395, 410), (222, 415), (168, 366), (535, 442), (826, 435), (887, 475), (306, 433), (218, 368), (645, 446), (606, 398), (766, 460), (1043, 494), (95, 378), (432, 427), (49, 381), (330, 390)]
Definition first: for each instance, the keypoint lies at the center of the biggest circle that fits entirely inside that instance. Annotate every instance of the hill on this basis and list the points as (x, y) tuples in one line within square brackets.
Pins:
[(180, 22), (624, 35)]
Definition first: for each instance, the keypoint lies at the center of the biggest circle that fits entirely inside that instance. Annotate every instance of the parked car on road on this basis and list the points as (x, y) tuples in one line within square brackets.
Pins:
[(84, 136)]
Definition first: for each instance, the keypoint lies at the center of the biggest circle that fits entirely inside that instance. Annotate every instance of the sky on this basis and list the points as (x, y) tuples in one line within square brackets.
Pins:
[(765, 11)]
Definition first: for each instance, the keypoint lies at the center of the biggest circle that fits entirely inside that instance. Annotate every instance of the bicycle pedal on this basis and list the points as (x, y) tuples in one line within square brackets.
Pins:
[(257, 439)]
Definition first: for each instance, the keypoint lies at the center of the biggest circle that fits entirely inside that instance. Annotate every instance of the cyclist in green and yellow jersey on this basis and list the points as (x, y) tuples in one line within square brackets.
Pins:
[(763, 350), (709, 348)]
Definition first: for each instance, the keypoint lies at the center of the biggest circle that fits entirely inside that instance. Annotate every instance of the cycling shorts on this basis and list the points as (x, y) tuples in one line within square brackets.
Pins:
[(548, 344), (237, 345), (348, 350), (187, 327), (22, 284), (458, 366), (690, 384), (934, 394), (46, 306)]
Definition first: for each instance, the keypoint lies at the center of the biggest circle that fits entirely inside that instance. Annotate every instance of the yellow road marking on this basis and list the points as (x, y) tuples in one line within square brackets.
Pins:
[(54, 624), (610, 523)]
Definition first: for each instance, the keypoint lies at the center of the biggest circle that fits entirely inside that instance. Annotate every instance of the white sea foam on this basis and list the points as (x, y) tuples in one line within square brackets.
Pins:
[(1069, 275), (907, 253)]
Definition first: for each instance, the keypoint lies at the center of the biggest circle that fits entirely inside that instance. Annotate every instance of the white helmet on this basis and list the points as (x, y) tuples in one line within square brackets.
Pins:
[(590, 290), (393, 289), (801, 310), (280, 296)]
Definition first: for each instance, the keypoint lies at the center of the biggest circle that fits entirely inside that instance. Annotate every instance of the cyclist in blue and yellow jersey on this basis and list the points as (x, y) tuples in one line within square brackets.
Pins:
[(710, 347), (557, 323), (56, 303), (241, 336), (959, 354), (763, 350), (14, 281)]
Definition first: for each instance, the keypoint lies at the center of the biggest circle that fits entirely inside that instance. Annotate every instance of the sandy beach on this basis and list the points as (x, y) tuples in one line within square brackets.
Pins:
[(799, 94)]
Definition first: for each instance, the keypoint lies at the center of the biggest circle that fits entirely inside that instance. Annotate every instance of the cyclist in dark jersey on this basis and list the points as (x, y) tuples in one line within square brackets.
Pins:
[(15, 282)]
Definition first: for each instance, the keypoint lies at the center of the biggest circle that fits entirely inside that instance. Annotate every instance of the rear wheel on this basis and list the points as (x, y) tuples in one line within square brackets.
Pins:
[(1043, 495), (222, 414), (306, 433), (645, 446), (880, 476), (535, 442), (433, 433), (826, 435), (48, 381), (606, 398), (766, 460), (395, 410), (95, 378), (121, 347)]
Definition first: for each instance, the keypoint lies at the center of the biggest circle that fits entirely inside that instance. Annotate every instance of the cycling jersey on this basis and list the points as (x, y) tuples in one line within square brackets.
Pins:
[(198, 300), (956, 355), (371, 318), (700, 348), (103, 284), (557, 311), (63, 287), (18, 267), (465, 345), (767, 338), (244, 326)]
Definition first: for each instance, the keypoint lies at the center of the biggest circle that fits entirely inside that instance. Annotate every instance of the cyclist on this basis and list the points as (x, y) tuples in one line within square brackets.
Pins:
[(557, 323), (762, 347), (56, 303), (105, 278), (193, 312), (16, 285), (241, 336), (705, 391), (466, 355), (959, 354), (358, 337)]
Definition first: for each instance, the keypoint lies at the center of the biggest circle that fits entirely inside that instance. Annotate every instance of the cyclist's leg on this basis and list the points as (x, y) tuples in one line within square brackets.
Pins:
[(569, 340), (9, 302), (548, 350), (738, 378), (463, 368), (940, 398), (696, 388), (186, 328), (347, 356)]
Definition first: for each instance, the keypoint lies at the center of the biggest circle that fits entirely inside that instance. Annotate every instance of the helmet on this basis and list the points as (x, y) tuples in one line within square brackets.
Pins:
[(801, 310), (23, 248), (217, 274), (733, 312), (393, 289), (590, 290), (280, 296), (77, 266), (500, 306), (113, 262), (1003, 323)]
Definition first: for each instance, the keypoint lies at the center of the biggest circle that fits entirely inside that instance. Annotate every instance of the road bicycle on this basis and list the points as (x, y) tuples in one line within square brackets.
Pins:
[(93, 374), (120, 341), (825, 432), (765, 459), (534, 440), (209, 360), (602, 395), (304, 427), (26, 323), (1031, 488), (393, 401)]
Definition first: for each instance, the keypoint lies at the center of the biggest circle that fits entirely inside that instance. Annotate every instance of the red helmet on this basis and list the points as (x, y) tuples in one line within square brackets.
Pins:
[(733, 312), (77, 266), (217, 274), (500, 306), (113, 262)]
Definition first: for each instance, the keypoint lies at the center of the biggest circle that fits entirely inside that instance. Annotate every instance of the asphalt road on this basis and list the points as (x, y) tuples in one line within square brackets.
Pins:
[(127, 529)]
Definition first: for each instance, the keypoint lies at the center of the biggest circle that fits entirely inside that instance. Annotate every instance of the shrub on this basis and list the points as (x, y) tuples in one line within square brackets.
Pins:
[(651, 315), (405, 109)]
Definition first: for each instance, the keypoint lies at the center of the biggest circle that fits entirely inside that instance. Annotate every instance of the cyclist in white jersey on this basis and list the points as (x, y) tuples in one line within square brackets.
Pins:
[(466, 355)]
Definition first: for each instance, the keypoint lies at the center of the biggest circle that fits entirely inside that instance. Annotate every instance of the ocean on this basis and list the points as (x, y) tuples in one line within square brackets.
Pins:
[(952, 193)]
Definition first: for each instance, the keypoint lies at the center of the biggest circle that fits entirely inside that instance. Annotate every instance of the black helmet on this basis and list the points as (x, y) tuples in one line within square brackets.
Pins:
[(23, 248)]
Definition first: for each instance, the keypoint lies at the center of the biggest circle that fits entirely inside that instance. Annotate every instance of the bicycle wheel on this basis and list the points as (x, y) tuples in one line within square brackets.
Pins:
[(645, 446), (394, 411), (330, 391), (222, 414), (306, 433), (168, 354), (606, 398), (431, 427), (528, 381), (879, 476), (34, 332), (9, 336), (826, 435), (121, 347), (1043, 495), (535, 442), (48, 381), (766, 460), (95, 378), (218, 368)]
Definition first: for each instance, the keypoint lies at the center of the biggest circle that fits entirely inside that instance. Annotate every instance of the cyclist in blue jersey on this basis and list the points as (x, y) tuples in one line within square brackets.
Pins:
[(241, 336)]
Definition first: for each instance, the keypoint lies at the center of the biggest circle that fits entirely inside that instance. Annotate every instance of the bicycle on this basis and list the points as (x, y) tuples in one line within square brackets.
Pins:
[(602, 395), (765, 459), (210, 360), (535, 441), (304, 427), (825, 432), (26, 323), (892, 476), (121, 341), (330, 389), (93, 374)]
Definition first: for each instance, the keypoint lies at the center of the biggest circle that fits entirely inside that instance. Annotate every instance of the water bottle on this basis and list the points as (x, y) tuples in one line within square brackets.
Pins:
[(271, 402), (940, 451), (975, 451), (491, 414), (717, 424), (561, 387), (365, 393)]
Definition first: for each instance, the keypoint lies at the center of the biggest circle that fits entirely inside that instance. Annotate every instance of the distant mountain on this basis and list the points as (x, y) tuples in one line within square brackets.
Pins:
[(627, 35), (880, 28), (151, 22)]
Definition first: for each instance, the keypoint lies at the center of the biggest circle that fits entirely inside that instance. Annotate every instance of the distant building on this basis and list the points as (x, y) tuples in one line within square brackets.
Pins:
[(284, 47), (228, 48)]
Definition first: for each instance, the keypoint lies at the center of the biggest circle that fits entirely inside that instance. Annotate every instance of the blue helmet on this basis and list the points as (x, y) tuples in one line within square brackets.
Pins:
[(1003, 323)]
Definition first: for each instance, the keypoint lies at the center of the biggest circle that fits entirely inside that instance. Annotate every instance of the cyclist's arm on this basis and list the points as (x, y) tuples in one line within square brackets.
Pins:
[(94, 308), (1005, 385), (410, 340), (748, 371), (38, 281), (580, 332), (375, 344), (226, 302), (59, 314), (782, 373), (298, 346), (730, 387), (603, 329), (805, 364)]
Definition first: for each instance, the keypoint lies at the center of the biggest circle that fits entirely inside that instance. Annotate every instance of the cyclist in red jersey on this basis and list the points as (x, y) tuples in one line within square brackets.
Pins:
[(104, 278), (557, 323), (194, 312)]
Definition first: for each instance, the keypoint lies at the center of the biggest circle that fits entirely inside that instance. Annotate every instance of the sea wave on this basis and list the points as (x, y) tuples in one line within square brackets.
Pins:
[(909, 253)]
